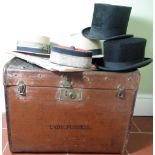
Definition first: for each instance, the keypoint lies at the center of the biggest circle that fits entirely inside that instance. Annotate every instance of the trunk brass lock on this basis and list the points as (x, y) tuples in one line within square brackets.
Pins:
[(67, 93), (70, 94)]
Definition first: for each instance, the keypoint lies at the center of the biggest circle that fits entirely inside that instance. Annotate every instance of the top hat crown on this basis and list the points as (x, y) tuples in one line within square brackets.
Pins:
[(109, 22)]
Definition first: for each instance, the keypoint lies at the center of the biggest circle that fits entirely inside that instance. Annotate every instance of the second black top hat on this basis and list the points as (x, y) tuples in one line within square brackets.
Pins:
[(124, 55), (109, 22)]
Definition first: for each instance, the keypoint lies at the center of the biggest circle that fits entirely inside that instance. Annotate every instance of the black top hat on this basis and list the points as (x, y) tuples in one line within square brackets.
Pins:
[(124, 54), (109, 22)]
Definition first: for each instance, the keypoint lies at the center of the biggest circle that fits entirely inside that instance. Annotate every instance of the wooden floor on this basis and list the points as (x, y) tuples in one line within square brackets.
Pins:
[(140, 140)]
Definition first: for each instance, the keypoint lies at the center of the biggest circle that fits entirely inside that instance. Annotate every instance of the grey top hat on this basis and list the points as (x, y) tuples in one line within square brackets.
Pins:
[(109, 22)]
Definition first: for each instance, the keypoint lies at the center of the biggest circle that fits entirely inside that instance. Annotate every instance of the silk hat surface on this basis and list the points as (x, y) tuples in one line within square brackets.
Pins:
[(109, 22), (124, 55)]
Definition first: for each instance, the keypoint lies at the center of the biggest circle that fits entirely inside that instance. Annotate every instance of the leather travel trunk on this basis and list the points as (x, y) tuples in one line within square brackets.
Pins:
[(75, 112)]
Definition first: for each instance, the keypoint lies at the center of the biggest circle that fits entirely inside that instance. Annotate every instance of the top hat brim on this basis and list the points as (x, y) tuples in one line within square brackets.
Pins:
[(47, 55), (86, 33), (134, 66)]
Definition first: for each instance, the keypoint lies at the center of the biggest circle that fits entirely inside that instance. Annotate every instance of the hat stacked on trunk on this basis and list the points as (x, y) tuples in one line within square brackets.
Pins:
[(124, 55), (122, 52), (71, 57), (75, 51), (79, 41), (34, 44), (109, 22)]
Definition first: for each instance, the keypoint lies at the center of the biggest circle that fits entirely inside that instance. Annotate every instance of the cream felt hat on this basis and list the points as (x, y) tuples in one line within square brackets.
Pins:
[(34, 44), (92, 45), (79, 41), (71, 57)]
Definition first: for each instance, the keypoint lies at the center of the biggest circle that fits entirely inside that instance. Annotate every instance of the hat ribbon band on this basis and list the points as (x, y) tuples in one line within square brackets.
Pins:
[(30, 49), (100, 31), (33, 44), (120, 64), (96, 51)]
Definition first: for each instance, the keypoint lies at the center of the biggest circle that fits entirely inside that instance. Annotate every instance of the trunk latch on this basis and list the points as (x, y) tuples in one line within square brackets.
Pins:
[(22, 88), (120, 91)]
